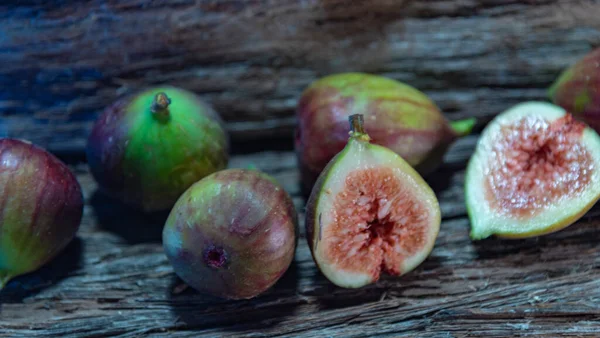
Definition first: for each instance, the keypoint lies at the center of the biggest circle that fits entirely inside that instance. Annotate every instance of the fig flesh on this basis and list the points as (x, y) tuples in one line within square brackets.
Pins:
[(577, 89), (396, 115), (41, 206), (232, 234), (147, 149), (369, 212), (534, 171)]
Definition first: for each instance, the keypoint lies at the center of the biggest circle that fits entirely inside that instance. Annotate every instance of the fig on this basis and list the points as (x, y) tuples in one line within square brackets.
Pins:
[(41, 205), (369, 212), (232, 234), (577, 89), (534, 171), (396, 115), (147, 149)]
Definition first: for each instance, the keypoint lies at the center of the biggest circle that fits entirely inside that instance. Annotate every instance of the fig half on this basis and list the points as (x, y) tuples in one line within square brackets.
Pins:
[(534, 171), (369, 212)]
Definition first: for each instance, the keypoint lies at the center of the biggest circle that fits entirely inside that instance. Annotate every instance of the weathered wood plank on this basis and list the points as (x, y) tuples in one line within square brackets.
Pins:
[(62, 62), (115, 280)]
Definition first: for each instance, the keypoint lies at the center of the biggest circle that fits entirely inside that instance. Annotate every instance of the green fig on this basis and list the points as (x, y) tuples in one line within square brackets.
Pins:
[(147, 149), (369, 212), (397, 116), (535, 170)]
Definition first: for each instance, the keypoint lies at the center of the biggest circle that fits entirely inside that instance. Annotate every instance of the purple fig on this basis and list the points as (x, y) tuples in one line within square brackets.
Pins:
[(147, 149), (578, 89), (232, 234), (41, 205), (398, 117)]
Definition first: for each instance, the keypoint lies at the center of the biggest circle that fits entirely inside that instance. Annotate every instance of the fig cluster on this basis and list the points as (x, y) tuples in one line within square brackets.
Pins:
[(364, 144)]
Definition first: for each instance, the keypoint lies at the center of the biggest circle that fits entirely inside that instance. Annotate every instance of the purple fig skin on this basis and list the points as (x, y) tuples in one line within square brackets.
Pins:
[(577, 89), (41, 206), (232, 234), (398, 117)]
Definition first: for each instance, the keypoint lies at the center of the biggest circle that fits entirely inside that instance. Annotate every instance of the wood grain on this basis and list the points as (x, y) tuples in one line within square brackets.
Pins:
[(62, 62), (115, 280)]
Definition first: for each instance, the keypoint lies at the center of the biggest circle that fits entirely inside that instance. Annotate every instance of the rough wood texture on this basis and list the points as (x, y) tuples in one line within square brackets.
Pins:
[(61, 62), (115, 280)]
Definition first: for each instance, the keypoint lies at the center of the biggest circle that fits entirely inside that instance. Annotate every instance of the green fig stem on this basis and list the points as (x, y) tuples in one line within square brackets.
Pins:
[(4, 279), (160, 105), (357, 130), (463, 127)]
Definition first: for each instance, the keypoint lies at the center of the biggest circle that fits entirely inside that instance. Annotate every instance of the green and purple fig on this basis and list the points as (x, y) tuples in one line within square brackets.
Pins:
[(147, 149), (577, 89), (369, 213), (232, 234), (397, 116), (41, 205)]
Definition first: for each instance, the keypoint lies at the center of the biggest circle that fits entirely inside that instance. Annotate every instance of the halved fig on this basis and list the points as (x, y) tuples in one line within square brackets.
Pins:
[(534, 171), (369, 212)]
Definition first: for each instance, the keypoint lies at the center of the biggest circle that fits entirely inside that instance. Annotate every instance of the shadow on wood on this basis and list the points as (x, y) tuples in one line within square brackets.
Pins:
[(69, 260), (133, 225), (579, 234), (439, 180), (199, 311)]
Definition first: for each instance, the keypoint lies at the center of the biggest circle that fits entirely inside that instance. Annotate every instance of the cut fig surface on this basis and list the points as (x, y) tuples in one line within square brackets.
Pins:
[(535, 171), (370, 213)]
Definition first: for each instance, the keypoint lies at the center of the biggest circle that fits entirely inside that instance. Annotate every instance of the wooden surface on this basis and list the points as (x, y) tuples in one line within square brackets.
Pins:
[(115, 280), (61, 62)]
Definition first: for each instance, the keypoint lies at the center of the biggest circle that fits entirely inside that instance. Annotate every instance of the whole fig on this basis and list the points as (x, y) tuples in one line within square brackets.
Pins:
[(41, 205), (397, 116), (577, 89), (232, 234), (147, 149)]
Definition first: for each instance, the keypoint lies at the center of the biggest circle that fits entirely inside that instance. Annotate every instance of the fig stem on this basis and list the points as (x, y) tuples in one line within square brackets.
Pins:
[(160, 104), (463, 127), (357, 129), (4, 278)]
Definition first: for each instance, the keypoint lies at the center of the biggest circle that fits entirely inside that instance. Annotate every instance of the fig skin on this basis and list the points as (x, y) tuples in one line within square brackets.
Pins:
[(577, 89), (232, 235), (41, 205), (360, 141), (397, 116), (147, 149)]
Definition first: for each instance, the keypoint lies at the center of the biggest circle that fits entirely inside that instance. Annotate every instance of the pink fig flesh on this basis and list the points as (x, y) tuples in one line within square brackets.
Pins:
[(232, 234), (41, 206)]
